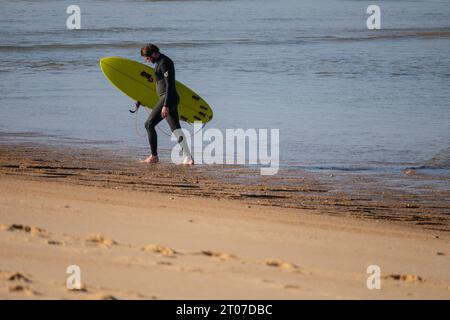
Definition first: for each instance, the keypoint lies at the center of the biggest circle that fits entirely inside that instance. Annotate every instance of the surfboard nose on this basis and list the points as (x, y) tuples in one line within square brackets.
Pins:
[(105, 60)]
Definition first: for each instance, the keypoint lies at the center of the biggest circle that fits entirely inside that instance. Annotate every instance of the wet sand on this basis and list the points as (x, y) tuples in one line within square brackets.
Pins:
[(407, 197), (164, 231)]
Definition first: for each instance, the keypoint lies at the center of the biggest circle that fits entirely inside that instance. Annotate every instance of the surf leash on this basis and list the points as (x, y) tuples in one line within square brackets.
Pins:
[(135, 111)]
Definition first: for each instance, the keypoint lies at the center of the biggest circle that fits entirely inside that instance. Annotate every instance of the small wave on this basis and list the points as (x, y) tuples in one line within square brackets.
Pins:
[(51, 65), (27, 134), (366, 36), (7, 66), (383, 34), (325, 73), (58, 46), (47, 65), (281, 19), (121, 45), (439, 161), (125, 29), (88, 30), (345, 169), (337, 168)]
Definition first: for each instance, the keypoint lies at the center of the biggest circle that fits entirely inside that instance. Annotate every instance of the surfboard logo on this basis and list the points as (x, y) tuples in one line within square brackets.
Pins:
[(147, 76)]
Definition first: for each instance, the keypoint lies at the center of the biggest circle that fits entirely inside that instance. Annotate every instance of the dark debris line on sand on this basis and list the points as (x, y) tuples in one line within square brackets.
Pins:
[(368, 198)]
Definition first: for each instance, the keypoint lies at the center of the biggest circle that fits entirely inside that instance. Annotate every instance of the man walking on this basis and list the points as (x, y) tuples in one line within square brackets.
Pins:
[(167, 106)]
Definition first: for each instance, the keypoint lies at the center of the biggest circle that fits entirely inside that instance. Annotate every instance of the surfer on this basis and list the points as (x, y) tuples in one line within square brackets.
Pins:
[(167, 106)]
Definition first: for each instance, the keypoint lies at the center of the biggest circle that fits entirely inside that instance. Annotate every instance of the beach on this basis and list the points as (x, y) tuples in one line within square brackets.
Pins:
[(164, 240), (358, 206)]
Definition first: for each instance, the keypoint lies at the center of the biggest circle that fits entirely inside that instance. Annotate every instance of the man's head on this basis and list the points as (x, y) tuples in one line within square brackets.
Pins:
[(150, 52)]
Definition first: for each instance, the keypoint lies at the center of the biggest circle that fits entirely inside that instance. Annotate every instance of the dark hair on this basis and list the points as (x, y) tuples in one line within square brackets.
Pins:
[(148, 49)]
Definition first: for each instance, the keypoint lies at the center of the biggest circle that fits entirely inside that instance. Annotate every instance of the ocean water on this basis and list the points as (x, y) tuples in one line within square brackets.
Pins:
[(342, 96)]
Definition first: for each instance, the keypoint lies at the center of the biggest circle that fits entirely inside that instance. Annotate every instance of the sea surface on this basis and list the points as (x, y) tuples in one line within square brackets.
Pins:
[(344, 98)]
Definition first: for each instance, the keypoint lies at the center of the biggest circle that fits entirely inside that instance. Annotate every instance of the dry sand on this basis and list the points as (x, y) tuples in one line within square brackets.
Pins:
[(132, 242), (135, 244)]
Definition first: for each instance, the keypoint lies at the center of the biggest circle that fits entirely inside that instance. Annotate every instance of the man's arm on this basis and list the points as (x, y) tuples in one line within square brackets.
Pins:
[(168, 71)]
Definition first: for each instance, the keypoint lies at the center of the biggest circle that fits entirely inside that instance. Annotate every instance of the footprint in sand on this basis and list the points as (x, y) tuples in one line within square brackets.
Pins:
[(54, 242), (165, 251), (35, 231), (101, 296), (266, 281), (405, 277), (277, 263), (22, 289), (100, 240), (292, 286), (222, 256), (14, 276)]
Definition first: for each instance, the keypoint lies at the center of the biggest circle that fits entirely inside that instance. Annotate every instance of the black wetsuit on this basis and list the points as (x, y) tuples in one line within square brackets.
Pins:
[(168, 96)]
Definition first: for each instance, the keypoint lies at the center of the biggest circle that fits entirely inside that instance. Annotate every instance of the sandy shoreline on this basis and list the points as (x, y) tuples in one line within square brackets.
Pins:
[(132, 242), (409, 198)]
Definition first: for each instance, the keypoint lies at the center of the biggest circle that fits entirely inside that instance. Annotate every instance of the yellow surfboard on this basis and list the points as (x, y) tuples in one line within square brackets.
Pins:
[(138, 82)]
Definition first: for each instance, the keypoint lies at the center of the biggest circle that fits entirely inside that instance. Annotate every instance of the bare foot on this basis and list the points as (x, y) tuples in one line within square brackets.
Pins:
[(188, 161), (150, 159)]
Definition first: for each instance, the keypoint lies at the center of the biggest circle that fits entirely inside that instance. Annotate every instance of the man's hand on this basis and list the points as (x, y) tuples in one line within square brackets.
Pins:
[(164, 112)]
